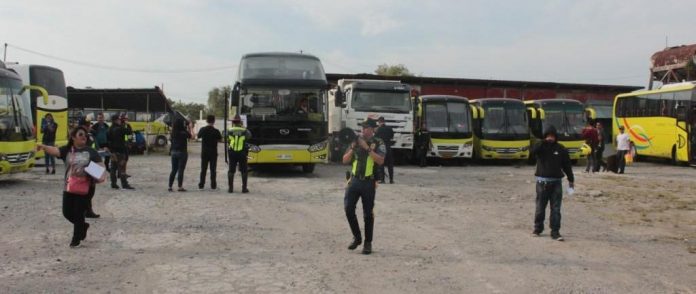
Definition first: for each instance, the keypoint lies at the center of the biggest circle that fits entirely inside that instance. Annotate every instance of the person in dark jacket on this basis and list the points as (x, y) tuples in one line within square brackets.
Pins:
[(209, 136), (179, 152), (552, 163), (99, 131), (48, 129), (386, 133), (119, 151)]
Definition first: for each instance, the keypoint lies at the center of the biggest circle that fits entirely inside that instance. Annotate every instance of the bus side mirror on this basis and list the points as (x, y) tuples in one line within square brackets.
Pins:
[(482, 113), (234, 96), (339, 98), (542, 114), (43, 91), (591, 113), (532, 112), (474, 112)]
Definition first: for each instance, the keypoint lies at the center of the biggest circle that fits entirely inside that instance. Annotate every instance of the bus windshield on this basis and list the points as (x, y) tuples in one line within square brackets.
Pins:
[(504, 121), (450, 117), (381, 101), (569, 120), (15, 124), (283, 104)]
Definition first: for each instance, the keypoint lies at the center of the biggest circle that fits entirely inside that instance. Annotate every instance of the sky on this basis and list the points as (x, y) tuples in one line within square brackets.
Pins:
[(190, 46)]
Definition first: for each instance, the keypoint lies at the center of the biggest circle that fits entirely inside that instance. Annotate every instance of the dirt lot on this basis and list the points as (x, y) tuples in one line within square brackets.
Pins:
[(438, 230)]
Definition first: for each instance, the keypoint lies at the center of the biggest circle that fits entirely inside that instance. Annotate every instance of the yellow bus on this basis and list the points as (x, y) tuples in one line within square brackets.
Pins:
[(443, 128), (660, 122), (52, 81), (501, 129), (567, 116), (17, 141)]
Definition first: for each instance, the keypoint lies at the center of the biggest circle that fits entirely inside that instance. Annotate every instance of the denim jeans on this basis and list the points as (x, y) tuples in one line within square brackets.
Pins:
[(206, 160), (50, 160), (178, 165), (548, 192), (621, 157)]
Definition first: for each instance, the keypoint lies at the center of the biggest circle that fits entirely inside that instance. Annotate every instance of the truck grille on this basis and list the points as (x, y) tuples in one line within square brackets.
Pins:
[(18, 158)]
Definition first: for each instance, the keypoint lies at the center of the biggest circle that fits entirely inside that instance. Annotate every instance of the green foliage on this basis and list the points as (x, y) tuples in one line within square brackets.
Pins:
[(392, 70), (216, 100), (190, 109)]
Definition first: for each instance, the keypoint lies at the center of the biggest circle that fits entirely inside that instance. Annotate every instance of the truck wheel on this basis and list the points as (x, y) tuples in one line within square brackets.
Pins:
[(161, 141), (308, 168)]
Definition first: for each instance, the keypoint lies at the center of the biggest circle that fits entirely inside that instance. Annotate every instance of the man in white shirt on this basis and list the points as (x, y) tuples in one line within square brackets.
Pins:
[(623, 146)]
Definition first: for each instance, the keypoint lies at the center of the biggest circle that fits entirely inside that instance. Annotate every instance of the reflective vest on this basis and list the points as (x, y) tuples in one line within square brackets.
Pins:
[(236, 138), (369, 166)]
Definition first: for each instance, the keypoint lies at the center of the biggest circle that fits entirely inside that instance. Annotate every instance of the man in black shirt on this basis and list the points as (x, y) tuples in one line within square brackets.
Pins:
[(209, 136), (116, 138), (552, 163), (386, 133)]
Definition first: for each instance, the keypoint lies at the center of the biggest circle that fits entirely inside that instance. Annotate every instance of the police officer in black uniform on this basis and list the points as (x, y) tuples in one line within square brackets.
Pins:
[(238, 150), (366, 154), (386, 133)]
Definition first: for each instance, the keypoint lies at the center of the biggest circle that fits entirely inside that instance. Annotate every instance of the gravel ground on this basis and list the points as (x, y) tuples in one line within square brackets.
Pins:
[(453, 229)]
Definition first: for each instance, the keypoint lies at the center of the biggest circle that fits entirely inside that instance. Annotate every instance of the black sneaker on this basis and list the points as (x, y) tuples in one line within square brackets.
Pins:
[(75, 243), (230, 190), (91, 214), (84, 234), (114, 186), (245, 190), (556, 236), (367, 248), (128, 187), (170, 189), (536, 233), (354, 244)]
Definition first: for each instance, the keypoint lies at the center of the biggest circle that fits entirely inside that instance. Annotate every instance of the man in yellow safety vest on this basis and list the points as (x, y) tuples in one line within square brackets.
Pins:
[(366, 154), (238, 150)]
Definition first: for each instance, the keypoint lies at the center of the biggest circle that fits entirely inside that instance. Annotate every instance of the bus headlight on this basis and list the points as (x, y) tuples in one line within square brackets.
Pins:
[(487, 148), (3, 157), (524, 148), (468, 145), (317, 147), (254, 148)]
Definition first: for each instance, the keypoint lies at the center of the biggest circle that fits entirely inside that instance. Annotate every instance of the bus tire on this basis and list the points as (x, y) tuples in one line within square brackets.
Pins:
[(308, 168), (161, 141), (674, 156)]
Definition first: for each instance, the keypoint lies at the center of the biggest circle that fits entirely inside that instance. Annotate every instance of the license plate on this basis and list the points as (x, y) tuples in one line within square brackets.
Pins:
[(284, 156)]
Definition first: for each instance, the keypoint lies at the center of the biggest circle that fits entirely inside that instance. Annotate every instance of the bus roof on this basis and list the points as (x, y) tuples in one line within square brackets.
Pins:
[(443, 98), (663, 89), (543, 102), (488, 100), (286, 69), (6, 73)]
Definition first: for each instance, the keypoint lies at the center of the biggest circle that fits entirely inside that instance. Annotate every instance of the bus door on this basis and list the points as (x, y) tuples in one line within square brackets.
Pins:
[(683, 138), (692, 135)]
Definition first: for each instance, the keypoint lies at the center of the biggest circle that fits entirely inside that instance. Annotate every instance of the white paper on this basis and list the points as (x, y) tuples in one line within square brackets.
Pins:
[(95, 170)]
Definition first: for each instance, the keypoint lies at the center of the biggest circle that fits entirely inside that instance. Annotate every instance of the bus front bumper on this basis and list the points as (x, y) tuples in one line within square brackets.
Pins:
[(296, 154)]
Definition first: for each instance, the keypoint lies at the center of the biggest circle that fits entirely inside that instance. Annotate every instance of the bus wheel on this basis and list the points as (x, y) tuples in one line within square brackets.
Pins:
[(161, 141), (308, 168), (674, 156)]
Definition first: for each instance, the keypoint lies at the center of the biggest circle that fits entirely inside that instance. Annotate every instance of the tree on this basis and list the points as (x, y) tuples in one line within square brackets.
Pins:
[(216, 100), (392, 70), (190, 109)]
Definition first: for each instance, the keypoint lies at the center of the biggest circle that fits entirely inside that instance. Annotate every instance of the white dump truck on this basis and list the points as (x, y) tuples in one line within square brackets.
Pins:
[(353, 101)]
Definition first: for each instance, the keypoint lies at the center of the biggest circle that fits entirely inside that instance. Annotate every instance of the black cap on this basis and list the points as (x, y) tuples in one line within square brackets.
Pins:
[(381, 118), (550, 131), (369, 123)]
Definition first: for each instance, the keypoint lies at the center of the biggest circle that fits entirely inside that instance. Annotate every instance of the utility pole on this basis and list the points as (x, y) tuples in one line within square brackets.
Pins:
[(4, 55)]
